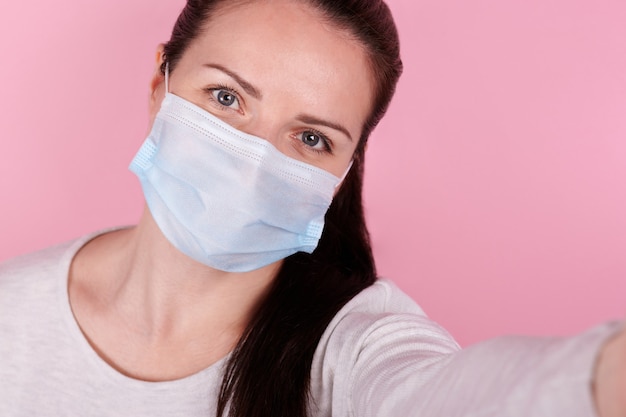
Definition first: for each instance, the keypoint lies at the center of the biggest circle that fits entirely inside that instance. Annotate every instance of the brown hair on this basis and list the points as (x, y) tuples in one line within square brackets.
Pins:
[(268, 373)]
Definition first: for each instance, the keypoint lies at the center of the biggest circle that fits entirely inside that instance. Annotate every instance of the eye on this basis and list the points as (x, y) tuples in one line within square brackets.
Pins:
[(315, 140), (225, 97)]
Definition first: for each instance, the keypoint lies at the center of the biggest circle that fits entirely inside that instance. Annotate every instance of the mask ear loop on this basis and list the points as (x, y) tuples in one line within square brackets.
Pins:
[(167, 77)]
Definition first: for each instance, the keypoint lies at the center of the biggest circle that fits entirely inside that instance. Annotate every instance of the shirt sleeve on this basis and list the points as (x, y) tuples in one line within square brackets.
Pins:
[(383, 357), (407, 367)]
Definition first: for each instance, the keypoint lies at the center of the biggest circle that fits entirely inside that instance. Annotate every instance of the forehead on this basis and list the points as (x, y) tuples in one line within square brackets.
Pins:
[(290, 51)]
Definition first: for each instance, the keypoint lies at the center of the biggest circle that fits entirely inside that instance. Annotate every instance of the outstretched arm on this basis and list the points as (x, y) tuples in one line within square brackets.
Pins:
[(509, 376), (383, 357)]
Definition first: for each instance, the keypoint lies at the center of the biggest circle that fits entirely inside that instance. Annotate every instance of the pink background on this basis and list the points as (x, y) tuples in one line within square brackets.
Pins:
[(495, 186)]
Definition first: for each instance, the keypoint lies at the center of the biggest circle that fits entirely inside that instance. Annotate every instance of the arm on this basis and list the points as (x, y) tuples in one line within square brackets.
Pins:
[(416, 374)]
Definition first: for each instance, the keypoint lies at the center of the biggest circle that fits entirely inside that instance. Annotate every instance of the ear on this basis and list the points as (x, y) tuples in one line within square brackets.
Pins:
[(157, 89), (157, 76)]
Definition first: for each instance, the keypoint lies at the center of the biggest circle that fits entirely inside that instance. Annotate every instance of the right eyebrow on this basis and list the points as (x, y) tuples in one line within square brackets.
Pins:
[(248, 88)]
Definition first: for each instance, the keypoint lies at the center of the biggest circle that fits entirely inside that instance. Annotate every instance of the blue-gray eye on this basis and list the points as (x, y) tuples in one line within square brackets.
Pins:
[(226, 98), (311, 139)]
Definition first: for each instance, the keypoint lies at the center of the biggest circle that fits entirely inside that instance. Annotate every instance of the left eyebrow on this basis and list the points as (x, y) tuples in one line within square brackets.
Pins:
[(308, 119)]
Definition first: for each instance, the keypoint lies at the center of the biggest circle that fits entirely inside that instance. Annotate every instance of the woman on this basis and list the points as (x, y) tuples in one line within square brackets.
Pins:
[(222, 301)]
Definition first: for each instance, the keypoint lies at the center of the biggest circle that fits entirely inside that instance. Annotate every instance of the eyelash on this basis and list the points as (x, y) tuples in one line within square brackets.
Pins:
[(328, 149)]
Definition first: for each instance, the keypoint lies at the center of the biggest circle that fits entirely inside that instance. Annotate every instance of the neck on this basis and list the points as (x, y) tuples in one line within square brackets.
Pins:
[(165, 292)]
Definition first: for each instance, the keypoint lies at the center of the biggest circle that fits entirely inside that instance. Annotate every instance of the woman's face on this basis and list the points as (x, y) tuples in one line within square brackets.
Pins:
[(276, 70)]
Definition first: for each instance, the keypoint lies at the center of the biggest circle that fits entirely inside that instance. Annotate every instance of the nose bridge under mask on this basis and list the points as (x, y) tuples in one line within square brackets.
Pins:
[(265, 127)]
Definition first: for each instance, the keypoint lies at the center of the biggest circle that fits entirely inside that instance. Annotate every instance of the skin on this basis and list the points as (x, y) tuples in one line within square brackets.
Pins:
[(273, 69), (609, 388)]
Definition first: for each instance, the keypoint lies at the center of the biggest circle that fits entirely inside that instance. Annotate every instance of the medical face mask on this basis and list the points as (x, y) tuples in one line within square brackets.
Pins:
[(225, 198)]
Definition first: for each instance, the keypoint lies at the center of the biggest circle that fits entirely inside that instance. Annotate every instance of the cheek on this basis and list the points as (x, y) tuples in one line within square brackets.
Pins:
[(338, 164)]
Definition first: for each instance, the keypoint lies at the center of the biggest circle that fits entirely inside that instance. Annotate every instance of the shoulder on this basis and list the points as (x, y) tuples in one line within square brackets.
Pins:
[(381, 319), (34, 274), (380, 327), (24, 267), (383, 313), (31, 287), (383, 297)]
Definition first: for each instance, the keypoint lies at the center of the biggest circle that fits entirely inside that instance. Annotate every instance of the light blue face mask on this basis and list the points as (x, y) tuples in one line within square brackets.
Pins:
[(225, 198)]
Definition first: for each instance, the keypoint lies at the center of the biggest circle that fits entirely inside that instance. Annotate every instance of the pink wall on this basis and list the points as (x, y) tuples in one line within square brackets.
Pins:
[(495, 187)]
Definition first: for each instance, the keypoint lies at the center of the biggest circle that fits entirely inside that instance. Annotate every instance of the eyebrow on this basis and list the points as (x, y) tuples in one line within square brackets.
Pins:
[(249, 88), (254, 92), (308, 119)]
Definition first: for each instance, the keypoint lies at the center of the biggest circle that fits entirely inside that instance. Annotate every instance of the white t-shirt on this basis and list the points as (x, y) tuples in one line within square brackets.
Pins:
[(380, 356)]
